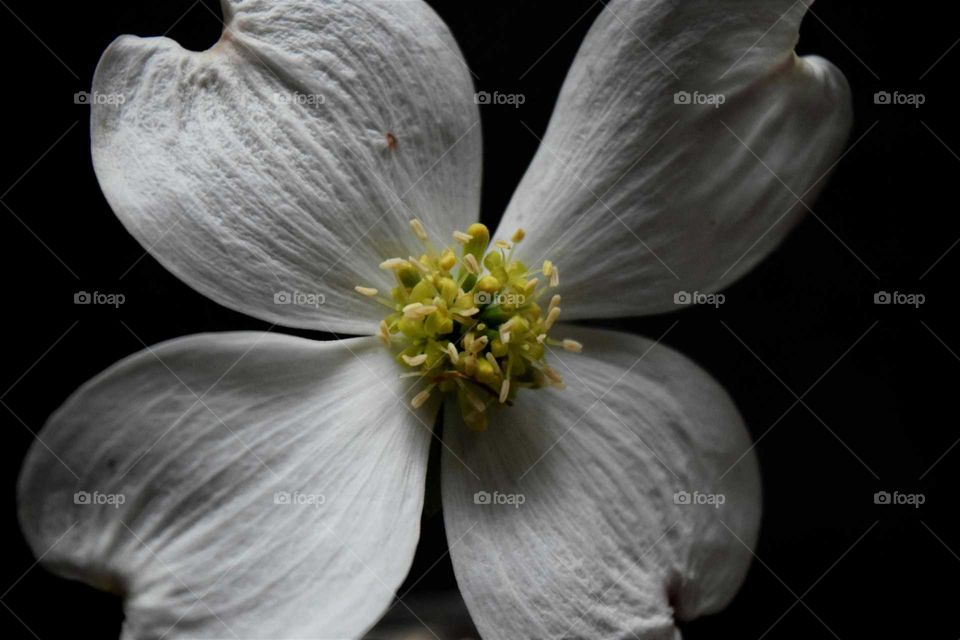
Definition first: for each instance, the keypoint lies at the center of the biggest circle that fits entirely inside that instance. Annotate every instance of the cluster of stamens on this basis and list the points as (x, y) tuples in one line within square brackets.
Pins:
[(472, 324)]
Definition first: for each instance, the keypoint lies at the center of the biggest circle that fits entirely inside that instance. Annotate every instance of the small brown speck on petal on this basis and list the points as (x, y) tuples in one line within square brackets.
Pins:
[(391, 141)]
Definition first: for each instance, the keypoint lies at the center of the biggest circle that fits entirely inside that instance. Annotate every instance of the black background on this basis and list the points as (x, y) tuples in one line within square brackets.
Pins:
[(881, 417)]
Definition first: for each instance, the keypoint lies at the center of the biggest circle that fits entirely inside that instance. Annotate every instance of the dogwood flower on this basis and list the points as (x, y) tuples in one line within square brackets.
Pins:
[(261, 485)]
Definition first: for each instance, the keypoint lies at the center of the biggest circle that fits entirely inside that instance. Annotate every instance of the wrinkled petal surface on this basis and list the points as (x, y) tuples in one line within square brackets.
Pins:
[(234, 485), (275, 171), (682, 139), (609, 509)]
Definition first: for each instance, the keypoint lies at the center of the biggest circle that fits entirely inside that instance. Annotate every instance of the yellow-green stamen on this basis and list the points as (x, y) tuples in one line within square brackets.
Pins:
[(471, 325)]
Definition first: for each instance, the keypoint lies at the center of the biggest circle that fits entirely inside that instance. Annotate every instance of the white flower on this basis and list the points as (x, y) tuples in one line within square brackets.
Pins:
[(272, 486)]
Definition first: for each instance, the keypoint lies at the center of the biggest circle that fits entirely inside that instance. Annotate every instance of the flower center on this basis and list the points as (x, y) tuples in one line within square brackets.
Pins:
[(476, 325)]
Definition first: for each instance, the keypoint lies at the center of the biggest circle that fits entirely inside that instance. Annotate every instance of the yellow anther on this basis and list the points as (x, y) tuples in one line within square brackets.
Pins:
[(419, 231), (554, 276), (415, 361), (384, 333), (572, 345), (394, 264), (551, 318), (547, 268), (479, 344), (418, 310), (452, 352), (518, 236), (502, 244), (461, 237), (504, 391), (448, 260), (554, 302), (419, 399), (488, 284), (366, 291)]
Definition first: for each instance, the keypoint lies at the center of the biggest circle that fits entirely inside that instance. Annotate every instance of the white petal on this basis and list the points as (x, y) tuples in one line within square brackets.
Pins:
[(636, 197), (264, 164), (587, 540), (203, 545)]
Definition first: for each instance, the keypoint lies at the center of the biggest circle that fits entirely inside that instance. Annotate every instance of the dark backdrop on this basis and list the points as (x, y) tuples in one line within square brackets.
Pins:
[(881, 412)]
